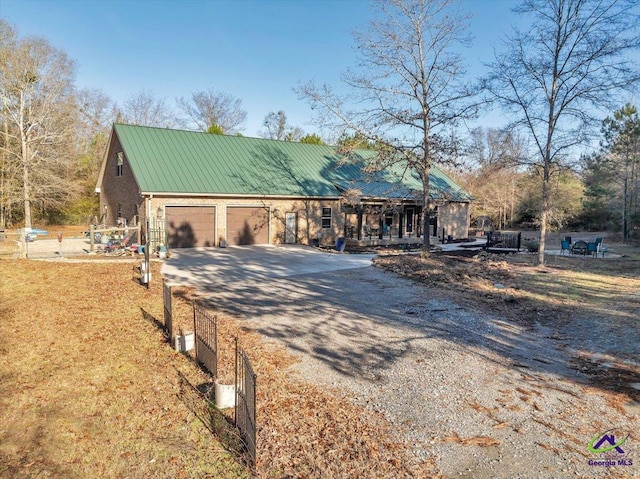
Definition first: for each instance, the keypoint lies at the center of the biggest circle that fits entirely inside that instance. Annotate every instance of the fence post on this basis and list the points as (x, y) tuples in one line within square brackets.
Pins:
[(23, 244), (255, 419), (167, 301), (195, 329), (235, 383), (146, 256)]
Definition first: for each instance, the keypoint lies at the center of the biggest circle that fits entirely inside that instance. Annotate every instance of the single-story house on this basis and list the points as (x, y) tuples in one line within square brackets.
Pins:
[(205, 189)]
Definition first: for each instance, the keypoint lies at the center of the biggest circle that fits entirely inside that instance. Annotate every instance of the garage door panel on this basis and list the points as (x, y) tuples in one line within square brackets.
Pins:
[(191, 226), (247, 225)]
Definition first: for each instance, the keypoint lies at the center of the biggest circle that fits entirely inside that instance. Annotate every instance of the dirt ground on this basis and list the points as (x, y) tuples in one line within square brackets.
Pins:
[(582, 315), (568, 292)]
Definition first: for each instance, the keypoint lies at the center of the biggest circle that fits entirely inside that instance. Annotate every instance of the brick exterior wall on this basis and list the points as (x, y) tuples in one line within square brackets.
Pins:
[(120, 190), (308, 215)]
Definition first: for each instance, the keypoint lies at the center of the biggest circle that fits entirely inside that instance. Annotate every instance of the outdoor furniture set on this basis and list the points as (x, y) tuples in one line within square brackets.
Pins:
[(583, 248)]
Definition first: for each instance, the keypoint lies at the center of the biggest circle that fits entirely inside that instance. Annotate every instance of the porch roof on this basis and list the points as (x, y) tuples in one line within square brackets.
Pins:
[(398, 182)]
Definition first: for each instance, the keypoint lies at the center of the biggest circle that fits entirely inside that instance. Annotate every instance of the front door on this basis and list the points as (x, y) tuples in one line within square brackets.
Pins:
[(290, 228), (409, 221)]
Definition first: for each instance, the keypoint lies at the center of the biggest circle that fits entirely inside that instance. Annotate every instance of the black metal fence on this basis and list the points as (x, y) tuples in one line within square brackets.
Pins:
[(245, 413), (495, 239), (168, 310), (212, 418), (205, 326)]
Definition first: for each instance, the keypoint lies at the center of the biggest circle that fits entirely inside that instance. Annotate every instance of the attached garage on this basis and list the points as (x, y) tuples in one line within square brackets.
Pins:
[(247, 225), (191, 226)]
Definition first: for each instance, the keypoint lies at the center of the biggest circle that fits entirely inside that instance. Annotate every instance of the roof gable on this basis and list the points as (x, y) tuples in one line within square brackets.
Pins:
[(186, 162)]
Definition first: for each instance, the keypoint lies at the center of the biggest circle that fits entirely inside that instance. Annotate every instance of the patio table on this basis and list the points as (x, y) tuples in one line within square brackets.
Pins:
[(579, 247)]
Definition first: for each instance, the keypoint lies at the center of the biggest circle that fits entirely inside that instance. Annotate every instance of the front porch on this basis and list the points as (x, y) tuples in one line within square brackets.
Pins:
[(382, 224)]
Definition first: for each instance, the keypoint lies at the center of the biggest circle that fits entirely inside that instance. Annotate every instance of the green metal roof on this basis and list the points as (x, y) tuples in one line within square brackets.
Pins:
[(187, 162), (398, 181)]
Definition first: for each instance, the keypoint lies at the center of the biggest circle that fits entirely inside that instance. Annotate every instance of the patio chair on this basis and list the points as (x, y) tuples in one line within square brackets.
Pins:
[(567, 239), (593, 249), (600, 248), (565, 246)]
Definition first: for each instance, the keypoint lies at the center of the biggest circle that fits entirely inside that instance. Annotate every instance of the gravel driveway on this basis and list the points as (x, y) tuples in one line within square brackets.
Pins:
[(488, 398)]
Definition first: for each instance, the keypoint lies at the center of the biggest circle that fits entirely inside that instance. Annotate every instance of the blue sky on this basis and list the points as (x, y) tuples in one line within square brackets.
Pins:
[(256, 50)]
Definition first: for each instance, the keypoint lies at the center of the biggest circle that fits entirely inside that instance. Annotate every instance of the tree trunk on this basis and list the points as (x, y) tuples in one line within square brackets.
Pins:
[(3, 168), (426, 224), (633, 203), (625, 214), (546, 177), (26, 188), (426, 207), (543, 224)]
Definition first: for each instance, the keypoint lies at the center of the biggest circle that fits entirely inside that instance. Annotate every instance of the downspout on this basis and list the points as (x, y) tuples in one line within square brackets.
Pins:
[(149, 201), (147, 254)]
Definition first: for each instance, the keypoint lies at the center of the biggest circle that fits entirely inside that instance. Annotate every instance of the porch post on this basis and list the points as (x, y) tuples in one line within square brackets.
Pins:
[(344, 227), (381, 227), (359, 223), (435, 225), (400, 223)]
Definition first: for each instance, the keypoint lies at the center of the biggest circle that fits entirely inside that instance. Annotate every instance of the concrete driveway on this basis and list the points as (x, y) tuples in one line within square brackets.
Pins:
[(326, 306), (210, 267)]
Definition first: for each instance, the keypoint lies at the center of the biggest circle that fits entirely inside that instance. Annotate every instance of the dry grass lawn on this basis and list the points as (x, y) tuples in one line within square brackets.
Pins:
[(87, 386)]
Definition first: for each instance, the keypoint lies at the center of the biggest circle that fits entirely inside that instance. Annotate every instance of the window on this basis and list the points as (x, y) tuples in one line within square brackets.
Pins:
[(388, 219), (326, 218), (119, 163)]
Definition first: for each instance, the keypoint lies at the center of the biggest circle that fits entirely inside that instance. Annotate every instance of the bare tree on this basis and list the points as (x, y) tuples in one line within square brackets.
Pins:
[(408, 93), (8, 173), (277, 128), (553, 76), (213, 108), (492, 172), (97, 110), (496, 147), (96, 114), (147, 110), (36, 88)]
